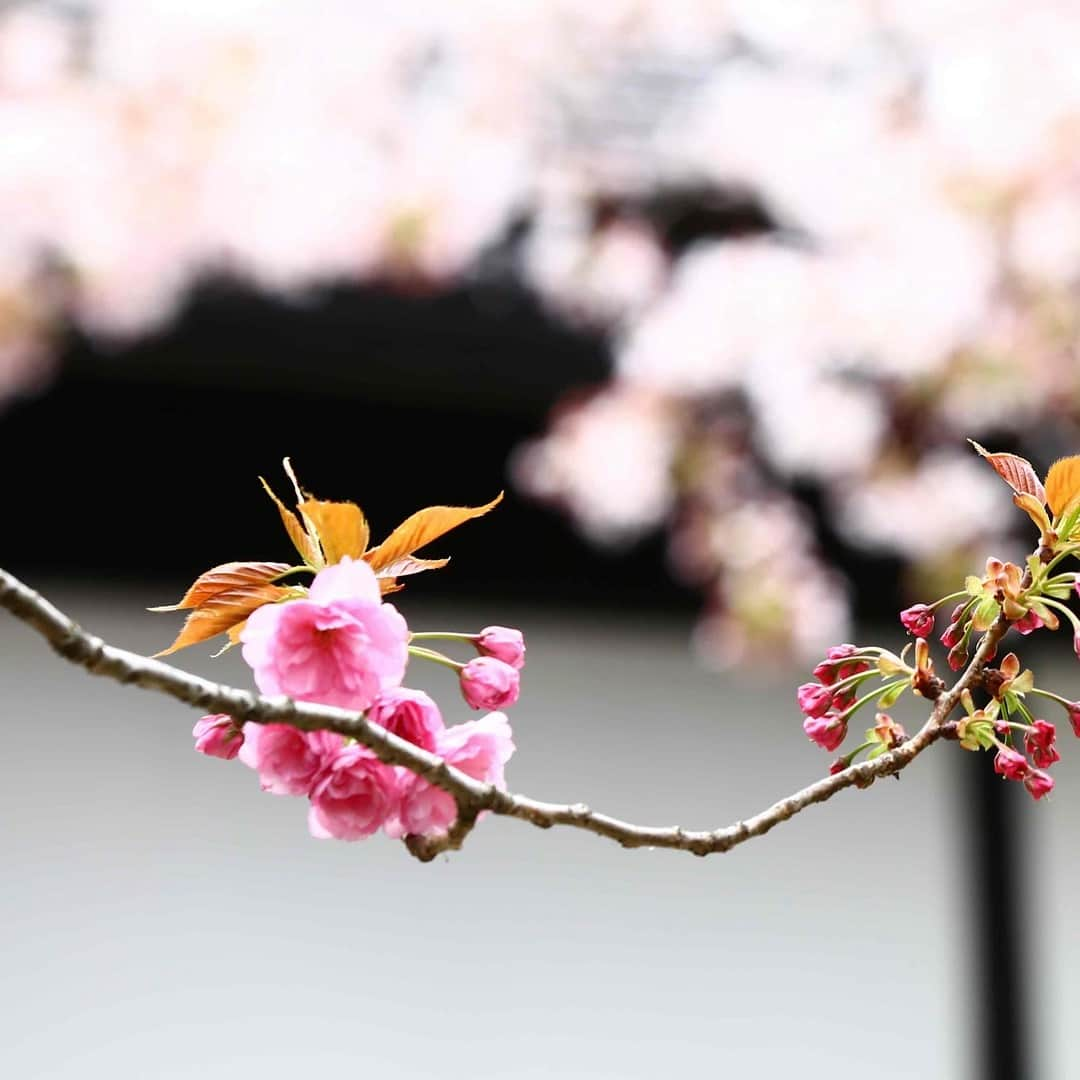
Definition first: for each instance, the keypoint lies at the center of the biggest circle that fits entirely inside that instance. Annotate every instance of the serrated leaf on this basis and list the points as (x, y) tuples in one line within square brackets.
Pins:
[(341, 527), (421, 529), (1016, 471), (1063, 484), (224, 611), (973, 585), (223, 578), (304, 544)]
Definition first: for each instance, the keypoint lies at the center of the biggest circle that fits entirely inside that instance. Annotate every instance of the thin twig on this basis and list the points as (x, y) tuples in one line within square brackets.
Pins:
[(472, 797)]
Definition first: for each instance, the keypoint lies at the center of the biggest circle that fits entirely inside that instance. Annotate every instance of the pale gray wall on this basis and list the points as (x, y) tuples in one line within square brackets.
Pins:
[(163, 918)]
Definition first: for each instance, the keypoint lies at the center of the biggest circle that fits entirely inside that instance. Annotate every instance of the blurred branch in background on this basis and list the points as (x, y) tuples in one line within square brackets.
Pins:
[(820, 248)]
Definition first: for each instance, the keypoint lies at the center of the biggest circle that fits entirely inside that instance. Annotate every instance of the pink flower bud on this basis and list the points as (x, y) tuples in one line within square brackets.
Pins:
[(832, 669), (1039, 784), (841, 652), (1073, 708), (828, 732), (504, 644), (1010, 764), (218, 736), (410, 714), (1028, 623), (1039, 743), (953, 635), (842, 699), (814, 700), (918, 620), (487, 683), (839, 765), (1076, 643), (958, 656), (958, 611)]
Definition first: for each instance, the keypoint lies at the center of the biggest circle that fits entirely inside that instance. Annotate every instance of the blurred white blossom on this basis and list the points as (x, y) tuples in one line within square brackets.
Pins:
[(915, 166)]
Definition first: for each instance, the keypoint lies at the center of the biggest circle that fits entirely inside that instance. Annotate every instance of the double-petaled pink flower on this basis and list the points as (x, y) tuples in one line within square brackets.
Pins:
[(353, 797), (479, 748), (339, 646), (410, 714), (287, 760)]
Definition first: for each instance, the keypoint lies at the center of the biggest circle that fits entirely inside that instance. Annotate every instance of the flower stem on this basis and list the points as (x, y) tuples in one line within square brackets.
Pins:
[(855, 706), (439, 635), (435, 657), (1063, 702), (946, 599)]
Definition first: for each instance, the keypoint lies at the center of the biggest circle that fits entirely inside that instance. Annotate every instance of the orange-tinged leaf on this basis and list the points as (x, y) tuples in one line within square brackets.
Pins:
[(1034, 510), (303, 543), (421, 528), (223, 611), (1063, 484), (1016, 471), (341, 528), (223, 578), (409, 564)]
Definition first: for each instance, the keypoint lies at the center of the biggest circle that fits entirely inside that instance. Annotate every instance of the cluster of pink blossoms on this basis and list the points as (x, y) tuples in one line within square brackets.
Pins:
[(829, 702), (342, 645), (1024, 745)]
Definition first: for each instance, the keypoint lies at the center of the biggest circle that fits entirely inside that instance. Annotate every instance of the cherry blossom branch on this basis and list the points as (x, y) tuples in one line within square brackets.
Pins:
[(472, 797)]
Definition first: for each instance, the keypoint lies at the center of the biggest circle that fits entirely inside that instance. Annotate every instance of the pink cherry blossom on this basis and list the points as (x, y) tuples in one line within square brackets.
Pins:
[(339, 646), (287, 760), (411, 714), (353, 797), (504, 644), (218, 736), (488, 683), (827, 731), (479, 748)]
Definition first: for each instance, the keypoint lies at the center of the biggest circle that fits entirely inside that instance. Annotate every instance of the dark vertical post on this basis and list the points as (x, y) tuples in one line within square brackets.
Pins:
[(1003, 1050)]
